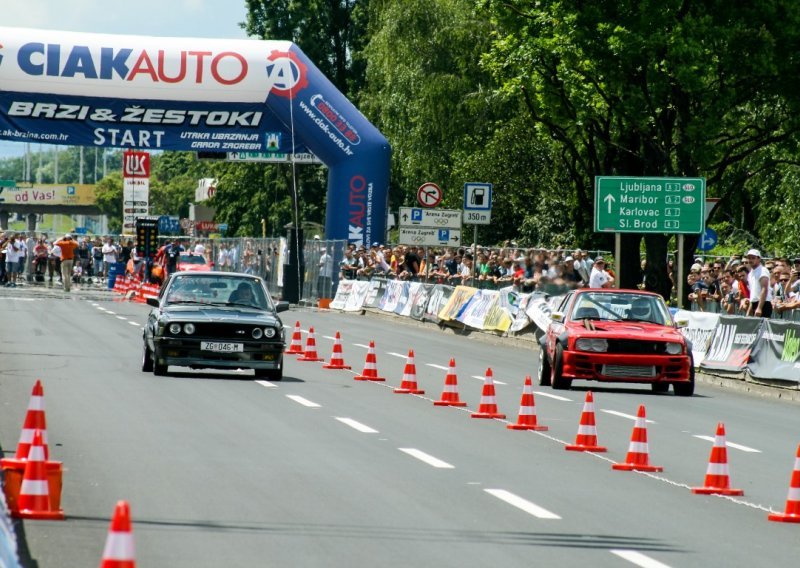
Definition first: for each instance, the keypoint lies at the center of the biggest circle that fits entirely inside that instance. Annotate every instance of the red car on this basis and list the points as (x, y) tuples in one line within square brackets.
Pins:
[(188, 262), (610, 335)]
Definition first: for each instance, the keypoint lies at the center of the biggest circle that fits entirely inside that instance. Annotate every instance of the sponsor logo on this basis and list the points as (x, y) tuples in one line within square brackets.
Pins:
[(791, 346), (335, 119), (130, 64), (286, 74), (273, 141), (136, 164), (360, 210)]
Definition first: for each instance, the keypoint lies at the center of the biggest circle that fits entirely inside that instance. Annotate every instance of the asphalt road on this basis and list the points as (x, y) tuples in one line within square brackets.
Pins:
[(322, 470)]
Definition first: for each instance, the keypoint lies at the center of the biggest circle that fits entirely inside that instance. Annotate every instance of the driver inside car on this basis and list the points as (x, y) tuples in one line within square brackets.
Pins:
[(242, 295), (641, 310)]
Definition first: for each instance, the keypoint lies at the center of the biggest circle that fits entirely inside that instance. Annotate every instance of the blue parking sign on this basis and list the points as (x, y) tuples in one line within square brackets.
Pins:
[(444, 235), (416, 215)]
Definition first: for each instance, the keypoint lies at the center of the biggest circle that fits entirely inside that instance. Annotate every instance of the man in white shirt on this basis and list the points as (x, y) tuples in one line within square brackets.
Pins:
[(760, 290), (14, 252), (599, 277)]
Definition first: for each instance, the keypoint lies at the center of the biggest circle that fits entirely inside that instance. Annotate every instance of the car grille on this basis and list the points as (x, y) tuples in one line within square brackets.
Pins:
[(227, 331), (629, 371), (635, 347)]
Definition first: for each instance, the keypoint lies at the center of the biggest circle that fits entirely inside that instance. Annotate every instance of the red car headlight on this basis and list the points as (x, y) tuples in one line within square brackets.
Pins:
[(594, 345), (674, 348)]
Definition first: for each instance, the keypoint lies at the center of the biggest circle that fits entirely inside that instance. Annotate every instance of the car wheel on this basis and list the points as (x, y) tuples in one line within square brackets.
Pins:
[(147, 358), (158, 369), (685, 389), (544, 367), (660, 387), (559, 382)]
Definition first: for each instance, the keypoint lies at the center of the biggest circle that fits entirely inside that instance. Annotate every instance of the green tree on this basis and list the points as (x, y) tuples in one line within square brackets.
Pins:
[(108, 196)]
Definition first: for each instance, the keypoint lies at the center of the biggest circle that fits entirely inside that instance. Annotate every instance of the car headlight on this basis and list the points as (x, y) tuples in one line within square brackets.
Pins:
[(188, 328), (174, 328), (595, 345), (269, 332), (674, 348), (257, 333)]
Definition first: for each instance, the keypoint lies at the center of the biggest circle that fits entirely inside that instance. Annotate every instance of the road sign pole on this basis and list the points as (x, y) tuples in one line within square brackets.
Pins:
[(680, 271), (474, 253), (617, 258)]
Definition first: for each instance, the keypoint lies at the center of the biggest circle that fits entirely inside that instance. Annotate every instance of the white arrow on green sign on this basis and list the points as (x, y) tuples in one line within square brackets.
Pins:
[(649, 205)]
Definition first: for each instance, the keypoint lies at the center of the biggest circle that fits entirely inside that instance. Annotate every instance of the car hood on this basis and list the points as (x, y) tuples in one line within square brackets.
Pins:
[(212, 314), (625, 329)]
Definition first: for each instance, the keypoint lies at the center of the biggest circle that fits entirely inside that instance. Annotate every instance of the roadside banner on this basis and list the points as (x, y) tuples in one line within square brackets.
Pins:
[(538, 311), (375, 294), (391, 296), (475, 310), (419, 301), (521, 320), (403, 299), (456, 303), (358, 295), (342, 294), (732, 343), (497, 318), (439, 298), (699, 331), (777, 353)]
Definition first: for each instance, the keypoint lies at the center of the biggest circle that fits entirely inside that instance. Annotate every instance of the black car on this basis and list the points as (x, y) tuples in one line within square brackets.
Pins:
[(215, 320)]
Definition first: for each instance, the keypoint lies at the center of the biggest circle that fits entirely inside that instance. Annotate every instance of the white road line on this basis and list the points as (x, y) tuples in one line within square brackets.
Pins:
[(553, 396), (484, 380), (623, 415), (361, 345), (133, 323), (109, 312), (638, 558), (435, 366), (267, 384), (521, 503), (356, 425), (329, 337), (303, 401), (400, 355), (121, 318), (427, 458), (730, 444)]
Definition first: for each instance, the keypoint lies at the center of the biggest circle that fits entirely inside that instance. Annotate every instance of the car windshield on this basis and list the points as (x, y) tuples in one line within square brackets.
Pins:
[(218, 290), (620, 306), (192, 259)]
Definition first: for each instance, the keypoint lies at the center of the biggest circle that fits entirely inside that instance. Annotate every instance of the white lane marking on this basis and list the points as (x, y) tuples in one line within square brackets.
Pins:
[(400, 355), (109, 312), (551, 395), (356, 425), (521, 503), (95, 305), (121, 318), (730, 444), (133, 323), (435, 366), (427, 458), (329, 337), (361, 345), (303, 401), (623, 415), (484, 380), (267, 384), (638, 558)]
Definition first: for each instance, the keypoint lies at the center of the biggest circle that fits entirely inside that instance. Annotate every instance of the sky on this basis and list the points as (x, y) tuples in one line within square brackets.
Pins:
[(177, 18)]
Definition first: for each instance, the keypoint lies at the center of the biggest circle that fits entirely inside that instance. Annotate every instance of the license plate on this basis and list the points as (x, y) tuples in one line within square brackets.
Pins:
[(221, 347)]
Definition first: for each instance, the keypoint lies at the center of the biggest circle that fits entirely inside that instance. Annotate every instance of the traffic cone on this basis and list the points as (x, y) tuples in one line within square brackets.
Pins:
[(296, 346), (586, 439), (488, 405), (34, 420), (409, 383), (34, 495), (527, 410), (717, 479), (310, 354), (638, 453), (337, 360), (370, 372), (792, 512), (450, 393), (119, 551)]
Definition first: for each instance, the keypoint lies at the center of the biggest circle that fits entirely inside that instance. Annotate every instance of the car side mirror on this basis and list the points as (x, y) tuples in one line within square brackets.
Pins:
[(281, 306), (557, 316), (681, 323), (152, 302)]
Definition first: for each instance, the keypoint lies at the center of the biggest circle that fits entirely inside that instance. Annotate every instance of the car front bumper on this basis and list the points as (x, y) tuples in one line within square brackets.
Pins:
[(181, 352), (617, 367)]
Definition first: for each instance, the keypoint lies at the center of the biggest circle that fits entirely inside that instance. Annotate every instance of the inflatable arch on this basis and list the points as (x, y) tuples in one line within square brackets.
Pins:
[(154, 93)]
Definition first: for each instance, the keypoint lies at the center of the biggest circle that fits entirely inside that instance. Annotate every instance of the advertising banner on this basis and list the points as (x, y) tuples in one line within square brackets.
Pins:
[(358, 295), (377, 287), (538, 311), (391, 297), (699, 331), (777, 353), (521, 320), (135, 188), (419, 301), (403, 299), (732, 343), (48, 194), (497, 318), (343, 292), (475, 311), (456, 303), (408, 305), (438, 299)]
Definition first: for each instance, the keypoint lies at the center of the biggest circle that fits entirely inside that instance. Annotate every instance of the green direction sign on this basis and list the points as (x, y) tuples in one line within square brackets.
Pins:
[(649, 205)]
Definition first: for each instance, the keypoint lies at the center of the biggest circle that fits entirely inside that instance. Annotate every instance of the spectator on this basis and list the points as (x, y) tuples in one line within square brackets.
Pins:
[(728, 301), (173, 255), (40, 259), (82, 256), (54, 262), (743, 295), (599, 277), (758, 283), (68, 246), (325, 278), (97, 258), (110, 254), (348, 266), (13, 251)]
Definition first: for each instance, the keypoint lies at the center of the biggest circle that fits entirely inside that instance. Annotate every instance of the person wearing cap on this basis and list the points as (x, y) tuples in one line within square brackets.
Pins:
[(599, 277), (68, 246), (758, 283)]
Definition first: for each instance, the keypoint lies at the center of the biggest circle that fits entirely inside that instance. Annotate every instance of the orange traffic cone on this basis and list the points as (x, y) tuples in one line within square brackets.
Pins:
[(717, 479), (450, 393), (488, 405), (586, 439), (118, 551), (296, 346), (638, 458), (792, 512), (409, 383), (310, 354), (34, 420), (527, 410), (370, 372), (337, 360), (34, 495)]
